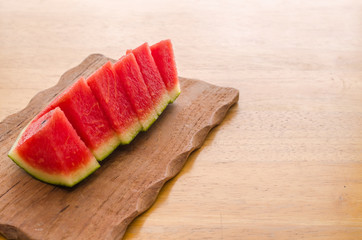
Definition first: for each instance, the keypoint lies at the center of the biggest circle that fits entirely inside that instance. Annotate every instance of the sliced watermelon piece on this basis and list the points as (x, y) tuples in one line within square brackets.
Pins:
[(50, 150), (152, 77), (164, 57), (112, 98), (83, 111), (131, 78)]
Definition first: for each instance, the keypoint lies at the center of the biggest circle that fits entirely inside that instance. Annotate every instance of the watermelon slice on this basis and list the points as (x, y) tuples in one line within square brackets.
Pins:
[(112, 98), (151, 76), (50, 150), (163, 55), (83, 111), (85, 123), (131, 78)]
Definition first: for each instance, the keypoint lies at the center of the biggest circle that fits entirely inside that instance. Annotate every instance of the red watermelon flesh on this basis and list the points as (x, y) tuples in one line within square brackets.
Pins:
[(84, 113), (131, 79), (151, 76), (50, 150), (164, 57), (112, 98)]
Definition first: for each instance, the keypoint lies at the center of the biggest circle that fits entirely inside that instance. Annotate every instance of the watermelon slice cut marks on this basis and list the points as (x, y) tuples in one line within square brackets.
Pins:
[(164, 57), (131, 79), (114, 102), (84, 113), (50, 150), (152, 77)]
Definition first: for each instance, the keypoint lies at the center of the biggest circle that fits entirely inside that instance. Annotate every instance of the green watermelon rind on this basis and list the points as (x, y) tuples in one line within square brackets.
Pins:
[(51, 178), (174, 93), (160, 107), (132, 132), (106, 148), (162, 103), (148, 120)]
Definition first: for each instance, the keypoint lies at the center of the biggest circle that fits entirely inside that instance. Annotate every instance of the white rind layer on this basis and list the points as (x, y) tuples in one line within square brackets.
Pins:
[(174, 92), (106, 148), (147, 121), (162, 103), (127, 136)]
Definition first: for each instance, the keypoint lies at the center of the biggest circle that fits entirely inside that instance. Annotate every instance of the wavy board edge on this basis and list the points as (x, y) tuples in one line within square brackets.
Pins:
[(177, 163)]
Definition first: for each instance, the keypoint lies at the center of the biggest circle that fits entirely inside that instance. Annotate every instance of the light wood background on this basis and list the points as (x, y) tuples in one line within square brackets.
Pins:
[(287, 161)]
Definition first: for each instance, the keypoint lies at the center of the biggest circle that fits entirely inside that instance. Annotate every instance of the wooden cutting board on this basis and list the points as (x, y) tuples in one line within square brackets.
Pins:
[(104, 204)]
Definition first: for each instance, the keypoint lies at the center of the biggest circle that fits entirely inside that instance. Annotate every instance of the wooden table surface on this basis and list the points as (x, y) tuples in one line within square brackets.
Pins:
[(286, 163)]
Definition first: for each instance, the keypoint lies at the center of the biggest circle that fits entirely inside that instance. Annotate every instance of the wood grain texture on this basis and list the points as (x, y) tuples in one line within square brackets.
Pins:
[(286, 161), (129, 180)]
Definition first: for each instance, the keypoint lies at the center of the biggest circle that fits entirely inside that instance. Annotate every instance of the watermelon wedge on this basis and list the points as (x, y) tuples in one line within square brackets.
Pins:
[(50, 150), (84, 113), (112, 98), (87, 121), (152, 77), (131, 79), (164, 57)]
